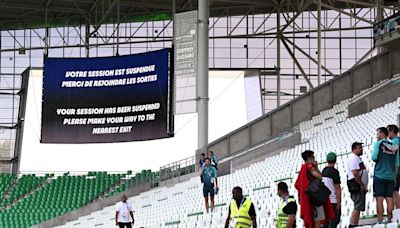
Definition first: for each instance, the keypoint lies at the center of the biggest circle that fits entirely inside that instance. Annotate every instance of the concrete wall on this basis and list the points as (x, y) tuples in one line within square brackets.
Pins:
[(300, 110), (323, 97), (361, 78), (281, 120), (94, 206), (378, 98), (175, 180), (342, 88), (395, 57), (264, 151), (261, 131)]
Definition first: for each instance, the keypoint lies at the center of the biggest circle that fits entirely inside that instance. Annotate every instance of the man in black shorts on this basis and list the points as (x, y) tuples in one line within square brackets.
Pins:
[(358, 175), (209, 175)]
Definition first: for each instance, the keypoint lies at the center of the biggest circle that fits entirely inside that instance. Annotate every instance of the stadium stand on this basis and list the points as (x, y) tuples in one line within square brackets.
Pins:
[(34, 199), (5, 182), (30, 199), (182, 206), (24, 185)]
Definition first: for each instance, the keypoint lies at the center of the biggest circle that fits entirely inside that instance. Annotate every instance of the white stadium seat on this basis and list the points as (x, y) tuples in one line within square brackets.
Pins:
[(331, 130)]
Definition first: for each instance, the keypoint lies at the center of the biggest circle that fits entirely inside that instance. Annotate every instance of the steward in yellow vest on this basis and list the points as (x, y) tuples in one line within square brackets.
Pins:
[(242, 213), (286, 217)]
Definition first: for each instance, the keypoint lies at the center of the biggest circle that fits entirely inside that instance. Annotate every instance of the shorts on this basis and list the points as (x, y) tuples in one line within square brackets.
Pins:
[(383, 188), (208, 190), (359, 200), (397, 186), (319, 213), (125, 224)]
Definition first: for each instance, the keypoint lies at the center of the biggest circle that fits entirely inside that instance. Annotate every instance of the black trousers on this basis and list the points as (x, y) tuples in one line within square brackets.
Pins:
[(333, 223), (122, 225)]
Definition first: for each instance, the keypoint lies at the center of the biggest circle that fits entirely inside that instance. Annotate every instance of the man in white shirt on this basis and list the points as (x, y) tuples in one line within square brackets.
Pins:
[(357, 181), (124, 213)]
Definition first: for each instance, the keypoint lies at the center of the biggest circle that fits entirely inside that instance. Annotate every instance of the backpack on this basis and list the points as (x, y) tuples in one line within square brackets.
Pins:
[(318, 192)]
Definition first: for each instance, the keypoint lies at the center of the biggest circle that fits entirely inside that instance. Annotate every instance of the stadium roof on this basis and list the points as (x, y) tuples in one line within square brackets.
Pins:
[(17, 14)]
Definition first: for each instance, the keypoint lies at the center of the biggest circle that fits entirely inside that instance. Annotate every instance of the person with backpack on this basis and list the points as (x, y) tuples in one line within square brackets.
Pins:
[(393, 132), (385, 171), (315, 206)]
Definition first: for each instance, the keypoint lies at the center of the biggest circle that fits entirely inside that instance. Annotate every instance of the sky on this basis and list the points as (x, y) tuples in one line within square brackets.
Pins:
[(227, 111)]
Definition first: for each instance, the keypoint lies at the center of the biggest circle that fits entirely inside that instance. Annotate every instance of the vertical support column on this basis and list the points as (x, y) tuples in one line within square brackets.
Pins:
[(87, 36), (379, 10), (319, 42), (340, 43), (46, 35), (21, 119), (379, 17), (278, 56), (202, 73), (118, 21), (173, 9)]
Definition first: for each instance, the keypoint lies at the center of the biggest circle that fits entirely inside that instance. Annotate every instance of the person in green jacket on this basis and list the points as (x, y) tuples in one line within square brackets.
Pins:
[(393, 131), (386, 164)]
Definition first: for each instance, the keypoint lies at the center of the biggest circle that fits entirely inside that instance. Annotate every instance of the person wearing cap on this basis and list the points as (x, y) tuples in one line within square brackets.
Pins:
[(331, 179), (356, 175)]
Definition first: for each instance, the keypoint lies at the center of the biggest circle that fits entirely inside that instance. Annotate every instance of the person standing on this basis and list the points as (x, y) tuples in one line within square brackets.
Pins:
[(288, 208), (201, 164), (312, 215), (393, 131), (331, 179), (201, 161), (214, 162), (124, 213), (357, 182), (386, 163), (213, 158), (209, 175), (242, 213)]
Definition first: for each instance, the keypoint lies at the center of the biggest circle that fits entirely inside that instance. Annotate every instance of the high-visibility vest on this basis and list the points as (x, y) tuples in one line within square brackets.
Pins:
[(241, 215), (283, 218)]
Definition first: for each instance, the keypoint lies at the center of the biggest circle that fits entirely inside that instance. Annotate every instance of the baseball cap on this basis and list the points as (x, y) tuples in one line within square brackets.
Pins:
[(331, 156)]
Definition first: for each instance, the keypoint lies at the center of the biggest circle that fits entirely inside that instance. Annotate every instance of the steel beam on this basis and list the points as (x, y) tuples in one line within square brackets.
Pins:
[(298, 64), (105, 16), (308, 56), (344, 12), (319, 41)]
